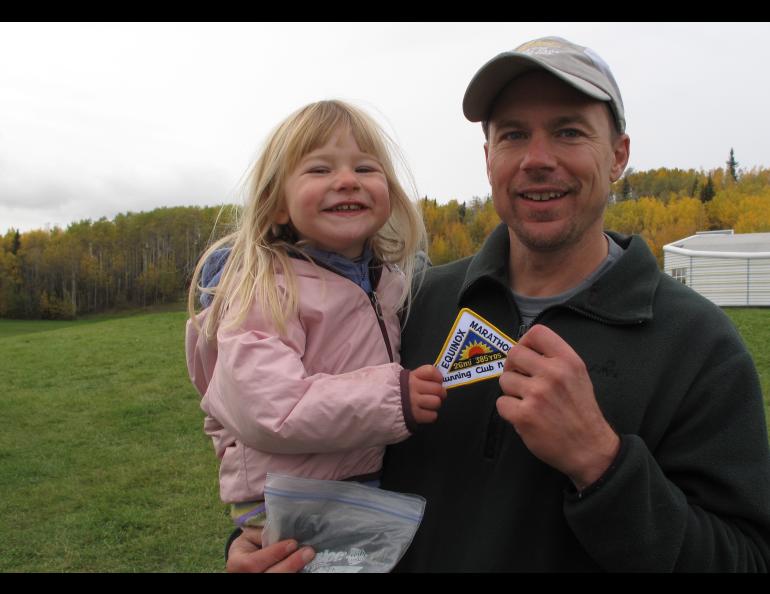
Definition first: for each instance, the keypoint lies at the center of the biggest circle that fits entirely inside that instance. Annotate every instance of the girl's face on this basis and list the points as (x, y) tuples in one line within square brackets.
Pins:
[(337, 197)]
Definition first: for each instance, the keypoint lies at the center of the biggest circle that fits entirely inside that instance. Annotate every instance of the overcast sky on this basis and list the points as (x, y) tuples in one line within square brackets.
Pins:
[(98, 119)]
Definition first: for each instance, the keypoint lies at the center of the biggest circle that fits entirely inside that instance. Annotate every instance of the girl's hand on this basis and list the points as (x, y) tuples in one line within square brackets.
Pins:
[(426, 393)]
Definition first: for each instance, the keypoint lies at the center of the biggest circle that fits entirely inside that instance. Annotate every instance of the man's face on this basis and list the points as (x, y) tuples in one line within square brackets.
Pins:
[(551, 159)]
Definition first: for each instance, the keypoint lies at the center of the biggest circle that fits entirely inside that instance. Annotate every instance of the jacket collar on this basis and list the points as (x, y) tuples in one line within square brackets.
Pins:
[(622, 295), (374, 265)]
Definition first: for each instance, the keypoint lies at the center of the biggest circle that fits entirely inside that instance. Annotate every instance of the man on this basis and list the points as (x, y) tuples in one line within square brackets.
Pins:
[(627, 430)]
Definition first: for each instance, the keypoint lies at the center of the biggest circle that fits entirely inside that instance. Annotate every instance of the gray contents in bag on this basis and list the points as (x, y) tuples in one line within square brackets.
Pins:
[(353, 528)]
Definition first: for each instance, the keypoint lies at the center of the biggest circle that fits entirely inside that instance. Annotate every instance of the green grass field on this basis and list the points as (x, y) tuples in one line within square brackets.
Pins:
[(103, 462), (754, 326)]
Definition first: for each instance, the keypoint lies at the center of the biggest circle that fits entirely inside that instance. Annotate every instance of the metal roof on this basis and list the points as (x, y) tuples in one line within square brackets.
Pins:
[(723, 243)]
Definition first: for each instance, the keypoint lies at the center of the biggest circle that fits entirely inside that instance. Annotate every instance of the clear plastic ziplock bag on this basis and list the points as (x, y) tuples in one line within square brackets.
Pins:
[(353, 528)]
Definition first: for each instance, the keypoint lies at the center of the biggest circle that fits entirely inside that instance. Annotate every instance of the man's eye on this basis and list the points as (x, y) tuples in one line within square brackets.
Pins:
[(570, 133), (514, 135)]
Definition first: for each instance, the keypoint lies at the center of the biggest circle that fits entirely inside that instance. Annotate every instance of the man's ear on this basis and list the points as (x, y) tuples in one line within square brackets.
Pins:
[(621, 154)]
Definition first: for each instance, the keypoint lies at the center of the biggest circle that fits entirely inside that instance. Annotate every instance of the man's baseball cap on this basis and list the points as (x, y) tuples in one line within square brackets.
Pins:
[(576, 65)]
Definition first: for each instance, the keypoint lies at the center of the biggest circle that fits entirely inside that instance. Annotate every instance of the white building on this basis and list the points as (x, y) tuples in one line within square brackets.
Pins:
[(727, 268)]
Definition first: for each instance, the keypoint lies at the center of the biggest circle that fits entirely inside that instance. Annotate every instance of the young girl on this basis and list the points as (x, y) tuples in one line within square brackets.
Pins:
[(296, 356)]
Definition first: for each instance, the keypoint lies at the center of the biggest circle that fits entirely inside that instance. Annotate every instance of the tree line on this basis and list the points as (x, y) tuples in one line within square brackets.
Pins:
[(135, 260), (664, 205), (147, 258)]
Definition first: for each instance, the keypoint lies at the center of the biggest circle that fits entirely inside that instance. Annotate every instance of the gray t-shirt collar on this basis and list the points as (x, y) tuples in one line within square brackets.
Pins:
[(530, 307)]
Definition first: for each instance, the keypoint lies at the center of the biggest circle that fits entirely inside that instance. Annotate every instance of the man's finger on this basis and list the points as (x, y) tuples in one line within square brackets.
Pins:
[(512, 384), (247, 556), (270, 556), (523, 359), (294, 562), (545, 341), (509, 409)]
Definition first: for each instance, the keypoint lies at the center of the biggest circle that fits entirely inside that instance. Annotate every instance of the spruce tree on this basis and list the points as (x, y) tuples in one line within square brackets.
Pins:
[(625, 191), (707, 192), (732, 165), (16, 244)]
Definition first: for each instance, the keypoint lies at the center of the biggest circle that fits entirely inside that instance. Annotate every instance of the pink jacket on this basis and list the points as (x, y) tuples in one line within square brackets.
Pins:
[(320, 402)]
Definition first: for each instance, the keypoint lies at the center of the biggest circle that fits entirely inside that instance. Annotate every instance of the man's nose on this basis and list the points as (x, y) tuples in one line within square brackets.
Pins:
[(539, 154)]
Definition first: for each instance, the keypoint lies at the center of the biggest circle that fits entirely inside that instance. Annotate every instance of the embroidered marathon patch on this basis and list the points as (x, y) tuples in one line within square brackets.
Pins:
[(474, 351)]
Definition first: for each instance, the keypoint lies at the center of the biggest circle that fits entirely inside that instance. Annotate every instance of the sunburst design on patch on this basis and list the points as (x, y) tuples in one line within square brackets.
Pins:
[(474, 349)]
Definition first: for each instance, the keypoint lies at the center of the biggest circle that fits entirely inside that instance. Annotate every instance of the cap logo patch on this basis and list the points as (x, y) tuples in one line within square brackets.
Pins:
[(541, 47), (474, 350)]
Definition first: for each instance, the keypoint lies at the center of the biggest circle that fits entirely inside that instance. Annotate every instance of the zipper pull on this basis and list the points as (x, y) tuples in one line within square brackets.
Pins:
[(381, 323), (376, 304)]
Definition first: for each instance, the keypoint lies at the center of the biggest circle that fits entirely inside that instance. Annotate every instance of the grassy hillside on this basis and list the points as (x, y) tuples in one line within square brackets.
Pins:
[(754, 326), (103, 462)]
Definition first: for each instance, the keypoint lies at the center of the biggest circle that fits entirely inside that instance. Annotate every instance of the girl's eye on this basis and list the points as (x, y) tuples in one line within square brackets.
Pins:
[(318, 170)]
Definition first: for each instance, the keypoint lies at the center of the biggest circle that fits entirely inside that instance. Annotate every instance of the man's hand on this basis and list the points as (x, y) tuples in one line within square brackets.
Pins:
[(247, 555), (426, 393), (549, 398)]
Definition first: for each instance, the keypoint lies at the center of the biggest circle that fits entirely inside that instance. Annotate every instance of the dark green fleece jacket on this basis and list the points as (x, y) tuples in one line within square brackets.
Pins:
[(690, 487)]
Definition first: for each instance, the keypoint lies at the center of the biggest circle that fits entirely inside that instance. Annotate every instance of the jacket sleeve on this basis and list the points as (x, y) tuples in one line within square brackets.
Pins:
[(262, 394), (701, 500)]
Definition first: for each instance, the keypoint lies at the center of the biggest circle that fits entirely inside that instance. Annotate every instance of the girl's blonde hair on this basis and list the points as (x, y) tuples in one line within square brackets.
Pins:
[(260, 248)]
